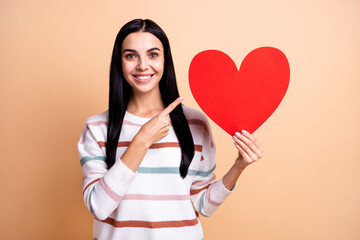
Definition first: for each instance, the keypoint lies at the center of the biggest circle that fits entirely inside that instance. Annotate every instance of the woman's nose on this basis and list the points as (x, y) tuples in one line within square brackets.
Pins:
[(142, 64)]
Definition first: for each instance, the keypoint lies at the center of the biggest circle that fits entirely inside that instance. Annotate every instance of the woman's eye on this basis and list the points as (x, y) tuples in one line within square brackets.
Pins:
[(153, 55), (130, 56)]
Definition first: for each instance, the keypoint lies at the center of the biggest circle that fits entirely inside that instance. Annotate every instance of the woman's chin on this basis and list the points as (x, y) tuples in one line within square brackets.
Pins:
[(144, 89)]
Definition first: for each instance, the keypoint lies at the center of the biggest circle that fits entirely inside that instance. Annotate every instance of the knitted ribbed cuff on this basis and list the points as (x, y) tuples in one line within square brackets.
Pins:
[(119, 177)]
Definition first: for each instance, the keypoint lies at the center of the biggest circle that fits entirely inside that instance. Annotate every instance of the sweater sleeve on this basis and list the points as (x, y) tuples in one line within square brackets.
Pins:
[(103, 188), (206, 193)]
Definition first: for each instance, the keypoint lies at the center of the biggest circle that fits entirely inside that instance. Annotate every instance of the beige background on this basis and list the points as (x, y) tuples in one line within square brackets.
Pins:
[(54, 68)]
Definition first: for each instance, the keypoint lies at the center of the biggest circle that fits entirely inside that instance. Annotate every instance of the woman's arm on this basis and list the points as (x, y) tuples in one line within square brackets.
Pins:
[(208, 194), (249, 151), (104, 188)]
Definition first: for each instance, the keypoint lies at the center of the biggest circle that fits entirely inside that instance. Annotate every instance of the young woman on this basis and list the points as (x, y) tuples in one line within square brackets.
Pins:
[(148, 161)]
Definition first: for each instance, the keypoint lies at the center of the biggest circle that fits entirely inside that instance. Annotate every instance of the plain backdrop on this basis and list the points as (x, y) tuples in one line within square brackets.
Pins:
[(54, 67)]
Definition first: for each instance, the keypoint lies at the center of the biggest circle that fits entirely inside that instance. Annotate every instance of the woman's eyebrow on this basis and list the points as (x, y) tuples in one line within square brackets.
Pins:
[(129, 50), (152, 49), (133, 51)]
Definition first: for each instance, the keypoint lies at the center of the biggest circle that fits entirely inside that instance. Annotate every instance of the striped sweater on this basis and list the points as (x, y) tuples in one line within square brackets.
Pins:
[(155, 202)]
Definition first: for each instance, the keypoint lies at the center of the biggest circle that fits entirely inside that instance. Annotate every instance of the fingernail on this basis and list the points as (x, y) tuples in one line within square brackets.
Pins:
[(235, 138), (181, 98), (237, 134), (244, 132)]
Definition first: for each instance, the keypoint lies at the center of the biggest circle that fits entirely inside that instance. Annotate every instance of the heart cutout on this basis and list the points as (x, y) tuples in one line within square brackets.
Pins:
[(239, 99)]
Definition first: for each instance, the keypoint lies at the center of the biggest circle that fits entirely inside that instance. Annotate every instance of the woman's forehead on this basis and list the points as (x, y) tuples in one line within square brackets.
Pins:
[(141, 41)]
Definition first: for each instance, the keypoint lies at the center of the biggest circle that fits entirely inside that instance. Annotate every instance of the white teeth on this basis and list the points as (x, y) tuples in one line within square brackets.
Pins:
[(143, 77)]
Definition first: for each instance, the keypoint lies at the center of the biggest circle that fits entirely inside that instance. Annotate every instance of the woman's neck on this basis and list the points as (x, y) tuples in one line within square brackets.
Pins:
[(145, 104)]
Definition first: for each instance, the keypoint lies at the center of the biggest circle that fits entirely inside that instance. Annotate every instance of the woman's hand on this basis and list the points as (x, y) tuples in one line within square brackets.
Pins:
[(249, 149), (157, 127)]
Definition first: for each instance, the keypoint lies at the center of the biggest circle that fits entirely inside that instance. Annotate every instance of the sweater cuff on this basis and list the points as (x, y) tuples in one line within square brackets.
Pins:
[(219, 192), (227, 190), (119, 177)]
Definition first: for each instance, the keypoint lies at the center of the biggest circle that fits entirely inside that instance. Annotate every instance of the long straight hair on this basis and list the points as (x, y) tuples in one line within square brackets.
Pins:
[(120, 91)]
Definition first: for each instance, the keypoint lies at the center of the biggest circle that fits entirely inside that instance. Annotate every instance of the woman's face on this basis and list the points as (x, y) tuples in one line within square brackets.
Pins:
[(142, 61)]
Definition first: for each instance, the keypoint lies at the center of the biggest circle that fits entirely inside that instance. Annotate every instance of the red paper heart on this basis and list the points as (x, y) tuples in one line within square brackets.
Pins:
[(244, 99)]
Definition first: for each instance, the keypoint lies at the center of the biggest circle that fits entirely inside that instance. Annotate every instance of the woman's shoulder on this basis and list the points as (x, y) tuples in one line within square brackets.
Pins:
[(98, 118), (95, 124), (194, 114), (197, 118)]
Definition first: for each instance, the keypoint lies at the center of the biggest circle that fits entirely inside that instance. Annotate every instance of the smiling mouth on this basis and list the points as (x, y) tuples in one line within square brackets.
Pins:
[(143, 78)]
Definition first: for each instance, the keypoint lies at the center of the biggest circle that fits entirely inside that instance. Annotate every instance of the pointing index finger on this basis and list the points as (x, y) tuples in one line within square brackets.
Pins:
[(171, 106)]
